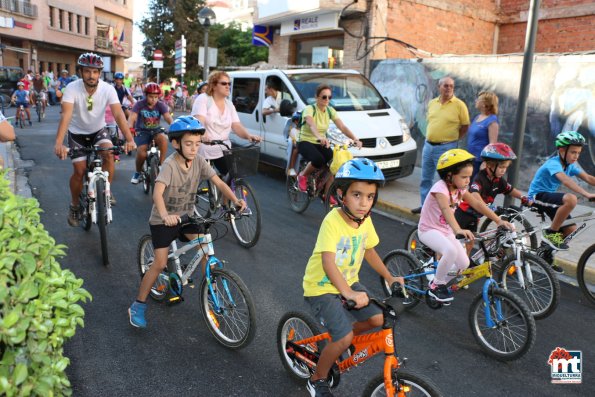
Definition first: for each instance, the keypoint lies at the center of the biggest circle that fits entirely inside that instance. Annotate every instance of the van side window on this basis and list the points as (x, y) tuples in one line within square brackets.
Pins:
[(14, 74), (245, 94)]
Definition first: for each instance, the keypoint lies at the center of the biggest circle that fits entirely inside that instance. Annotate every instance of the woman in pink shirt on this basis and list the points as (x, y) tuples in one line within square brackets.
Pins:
[(216, 112), (438, 227)]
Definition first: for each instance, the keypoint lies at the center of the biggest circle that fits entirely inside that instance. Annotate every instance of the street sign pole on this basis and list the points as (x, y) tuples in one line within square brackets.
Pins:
[(158, 62)]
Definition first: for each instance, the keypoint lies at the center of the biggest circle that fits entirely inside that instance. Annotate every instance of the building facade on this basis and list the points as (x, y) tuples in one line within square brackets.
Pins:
[(348, 34), (44, 35)]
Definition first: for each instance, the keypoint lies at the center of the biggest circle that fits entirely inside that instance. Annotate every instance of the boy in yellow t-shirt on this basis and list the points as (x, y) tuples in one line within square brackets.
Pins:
[(346, 237)]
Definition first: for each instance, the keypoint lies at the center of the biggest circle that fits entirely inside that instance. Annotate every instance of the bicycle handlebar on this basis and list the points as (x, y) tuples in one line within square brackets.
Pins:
[(222, 143), (197, 220), (397, 291), (95, 149)]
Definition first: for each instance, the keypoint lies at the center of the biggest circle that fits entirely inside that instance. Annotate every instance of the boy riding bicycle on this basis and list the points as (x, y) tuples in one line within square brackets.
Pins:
[(346, 237), (174, 196), (145, 118), (559, 170), (21, 97), (488, 183)]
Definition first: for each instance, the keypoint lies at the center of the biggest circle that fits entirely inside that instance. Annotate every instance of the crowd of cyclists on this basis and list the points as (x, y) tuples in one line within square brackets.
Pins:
[(453, 207)]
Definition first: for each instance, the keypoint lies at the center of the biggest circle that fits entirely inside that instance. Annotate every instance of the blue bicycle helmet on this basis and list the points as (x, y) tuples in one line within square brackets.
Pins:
[(118, 75), (184, 124), (497, 151), (360, 169), (355, 170)]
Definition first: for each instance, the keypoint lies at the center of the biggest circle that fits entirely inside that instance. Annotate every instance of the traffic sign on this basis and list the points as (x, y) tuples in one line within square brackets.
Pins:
[(158, 64), (158, 55)]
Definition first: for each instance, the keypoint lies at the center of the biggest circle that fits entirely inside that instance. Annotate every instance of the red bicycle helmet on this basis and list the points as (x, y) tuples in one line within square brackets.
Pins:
[(90, 60), (498, 151), (152, 88)]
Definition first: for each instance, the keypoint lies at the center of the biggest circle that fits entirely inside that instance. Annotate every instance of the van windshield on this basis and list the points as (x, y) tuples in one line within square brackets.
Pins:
[(350, 91)]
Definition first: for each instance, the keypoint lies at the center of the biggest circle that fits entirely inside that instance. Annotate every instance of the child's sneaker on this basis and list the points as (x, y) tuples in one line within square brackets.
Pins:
[(440, 293), (136, 312), (303, 183), (555, 240), (291, 172), (319, 388), (135, 178)]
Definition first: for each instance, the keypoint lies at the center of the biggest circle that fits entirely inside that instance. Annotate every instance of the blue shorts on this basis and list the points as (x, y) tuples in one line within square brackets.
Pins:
[(144, 137), (25, 104), (329, 310)]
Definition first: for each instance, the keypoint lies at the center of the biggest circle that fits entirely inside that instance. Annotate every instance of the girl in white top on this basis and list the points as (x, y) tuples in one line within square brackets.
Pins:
[(219, 117)]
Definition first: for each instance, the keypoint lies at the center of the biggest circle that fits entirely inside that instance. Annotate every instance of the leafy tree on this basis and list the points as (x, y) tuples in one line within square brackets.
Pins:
[(168, 20)]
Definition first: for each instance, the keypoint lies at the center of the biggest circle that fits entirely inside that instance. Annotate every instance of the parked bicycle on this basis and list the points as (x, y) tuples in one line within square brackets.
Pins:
[(501, 322), (95, 197), (226, 303), (516, 269), (241, 162), (317, 180), (300, 341)]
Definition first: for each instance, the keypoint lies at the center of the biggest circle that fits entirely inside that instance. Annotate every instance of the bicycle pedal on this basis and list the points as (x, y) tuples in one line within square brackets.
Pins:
[(175, 300)]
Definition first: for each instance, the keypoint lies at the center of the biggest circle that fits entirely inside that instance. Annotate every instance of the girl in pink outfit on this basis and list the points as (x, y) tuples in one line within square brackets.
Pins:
[(438, 227)]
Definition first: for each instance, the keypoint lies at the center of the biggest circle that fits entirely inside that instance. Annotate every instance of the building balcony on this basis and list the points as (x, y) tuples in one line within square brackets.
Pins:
[(20, 7), (116, 47)]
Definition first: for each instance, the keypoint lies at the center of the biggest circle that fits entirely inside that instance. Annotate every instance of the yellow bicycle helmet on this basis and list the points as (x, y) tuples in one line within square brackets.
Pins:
[(452, 160)]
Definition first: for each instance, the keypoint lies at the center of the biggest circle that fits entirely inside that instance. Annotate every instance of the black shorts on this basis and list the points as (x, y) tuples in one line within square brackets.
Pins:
[(317, 154), (77, 141), (466, 221), (163, 236), (549, 203)]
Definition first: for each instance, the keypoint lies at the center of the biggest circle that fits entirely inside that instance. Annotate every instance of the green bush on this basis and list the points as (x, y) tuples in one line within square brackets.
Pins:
[(38, 302)]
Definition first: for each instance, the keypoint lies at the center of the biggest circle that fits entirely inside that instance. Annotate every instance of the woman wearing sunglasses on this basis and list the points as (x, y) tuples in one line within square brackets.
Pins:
[(313, 144), (219, 116)]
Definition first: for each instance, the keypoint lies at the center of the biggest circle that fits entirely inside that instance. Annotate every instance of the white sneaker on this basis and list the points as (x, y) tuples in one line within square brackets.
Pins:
[(291, 172), (135, 178)]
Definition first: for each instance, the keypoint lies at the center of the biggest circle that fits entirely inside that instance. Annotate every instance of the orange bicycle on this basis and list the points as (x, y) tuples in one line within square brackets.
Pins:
[(300, 342)]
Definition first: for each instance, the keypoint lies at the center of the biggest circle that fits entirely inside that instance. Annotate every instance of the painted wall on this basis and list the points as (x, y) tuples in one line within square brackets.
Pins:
[(562, 97)]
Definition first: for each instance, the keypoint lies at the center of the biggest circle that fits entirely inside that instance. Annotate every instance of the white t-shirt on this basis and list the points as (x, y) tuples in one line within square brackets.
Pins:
[(83, 121), (270, 103), (217, 125)]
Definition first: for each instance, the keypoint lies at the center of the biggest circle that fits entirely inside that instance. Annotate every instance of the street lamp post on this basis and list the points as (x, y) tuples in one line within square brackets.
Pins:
[(206, 17)]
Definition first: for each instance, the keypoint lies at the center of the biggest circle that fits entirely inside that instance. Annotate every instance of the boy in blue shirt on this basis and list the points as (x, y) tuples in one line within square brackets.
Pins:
[(21, 97), (556, 171)]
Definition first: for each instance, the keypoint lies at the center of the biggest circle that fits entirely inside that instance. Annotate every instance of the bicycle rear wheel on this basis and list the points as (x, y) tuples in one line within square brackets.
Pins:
[(298, 200), (542, 294), (585, 273), (419, 385), (293, 327), (145, 257), (102, 219), (403, 263), (232, 321), (85, 214), (206, 199), (247, 225), (514, 331), (153, 171), (332, 198), (416, 247)]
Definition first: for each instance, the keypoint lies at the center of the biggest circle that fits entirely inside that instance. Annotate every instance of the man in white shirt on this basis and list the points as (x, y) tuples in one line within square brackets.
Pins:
[(83, 118), (270, 104)]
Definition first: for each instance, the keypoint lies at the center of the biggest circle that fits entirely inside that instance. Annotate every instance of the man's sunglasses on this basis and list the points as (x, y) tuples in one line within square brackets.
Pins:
[(325, 97), (224, 83), (89, 103)]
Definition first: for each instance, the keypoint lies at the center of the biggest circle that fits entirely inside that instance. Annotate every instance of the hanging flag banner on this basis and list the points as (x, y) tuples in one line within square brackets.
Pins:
[(262, 36)]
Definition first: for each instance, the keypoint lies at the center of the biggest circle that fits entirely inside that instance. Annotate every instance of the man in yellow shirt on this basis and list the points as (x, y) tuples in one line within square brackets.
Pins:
[(448, 121)]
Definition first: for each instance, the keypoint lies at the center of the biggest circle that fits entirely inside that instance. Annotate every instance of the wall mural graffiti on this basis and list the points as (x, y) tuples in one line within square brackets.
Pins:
[(562, 97)]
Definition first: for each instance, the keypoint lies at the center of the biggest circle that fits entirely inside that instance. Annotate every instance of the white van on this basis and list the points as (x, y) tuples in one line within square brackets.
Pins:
[(382, 130)]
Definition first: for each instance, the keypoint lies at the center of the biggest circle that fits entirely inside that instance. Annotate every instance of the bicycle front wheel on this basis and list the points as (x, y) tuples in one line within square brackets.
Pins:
[(153, 171), (145, 257), (542, 293), (38, 110), (585, 273), (293, 327), (85, 214), (513, 331), (419, 385), (231, 317), (102, 218), (146, 178), (403, 263), (298, 200), (246, 226)]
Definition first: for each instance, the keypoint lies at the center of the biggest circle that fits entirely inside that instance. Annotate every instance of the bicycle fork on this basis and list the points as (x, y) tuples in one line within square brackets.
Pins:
[(487, 286), (93, 176)]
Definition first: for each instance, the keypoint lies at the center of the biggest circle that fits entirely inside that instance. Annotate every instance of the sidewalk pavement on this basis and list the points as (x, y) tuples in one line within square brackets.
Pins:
[(399, 197)]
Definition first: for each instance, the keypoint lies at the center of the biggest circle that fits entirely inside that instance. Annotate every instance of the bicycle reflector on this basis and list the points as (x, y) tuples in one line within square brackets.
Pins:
[(511, 270), (413, 245)]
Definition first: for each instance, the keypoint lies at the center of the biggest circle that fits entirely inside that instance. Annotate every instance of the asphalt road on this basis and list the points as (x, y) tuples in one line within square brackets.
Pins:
[(176, 354)]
